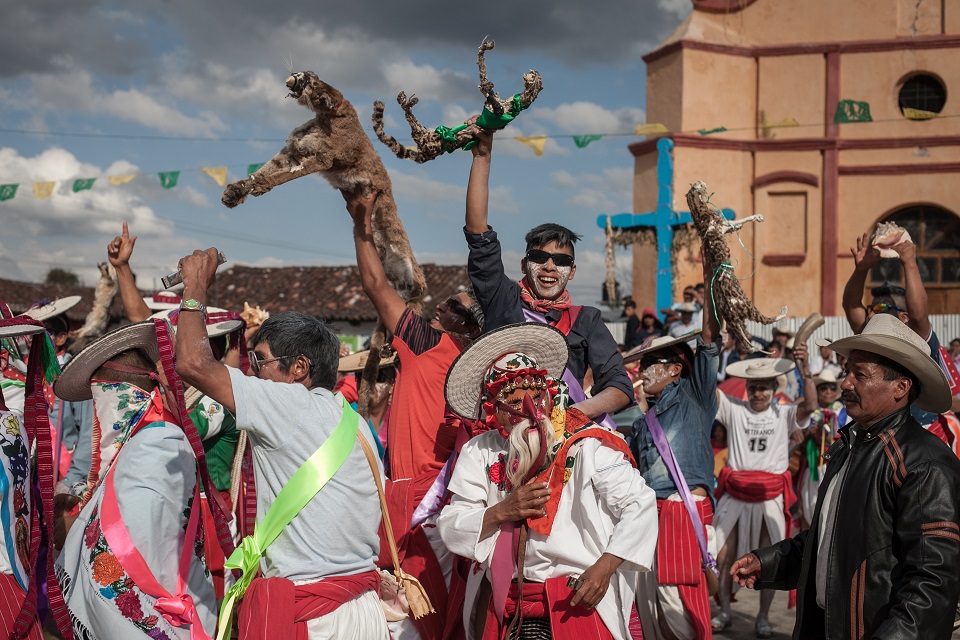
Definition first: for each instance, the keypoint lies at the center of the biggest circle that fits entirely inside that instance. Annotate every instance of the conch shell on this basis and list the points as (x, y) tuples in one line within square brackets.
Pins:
[(887, 235), (254, 316)]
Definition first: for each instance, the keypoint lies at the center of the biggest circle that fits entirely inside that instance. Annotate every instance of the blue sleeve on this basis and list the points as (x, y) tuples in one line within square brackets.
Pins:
[(498, 295), (703, 375), (82, 413)]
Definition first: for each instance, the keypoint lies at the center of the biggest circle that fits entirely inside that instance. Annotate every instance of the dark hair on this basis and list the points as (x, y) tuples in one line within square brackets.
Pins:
[(630, 304), (129, 358), (893, 370), (550, 232), (887, 289), (291, 334), (57, 324), (475, 316)]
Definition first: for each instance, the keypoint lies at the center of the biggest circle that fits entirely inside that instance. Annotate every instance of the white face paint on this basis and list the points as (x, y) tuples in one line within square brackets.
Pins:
[(547, 285)]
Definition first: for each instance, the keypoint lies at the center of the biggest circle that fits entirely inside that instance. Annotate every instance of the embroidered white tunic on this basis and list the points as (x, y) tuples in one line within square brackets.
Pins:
[(605, 507)]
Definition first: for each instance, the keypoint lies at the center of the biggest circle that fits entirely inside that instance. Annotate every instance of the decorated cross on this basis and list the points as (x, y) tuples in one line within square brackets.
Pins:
[(663, 220)]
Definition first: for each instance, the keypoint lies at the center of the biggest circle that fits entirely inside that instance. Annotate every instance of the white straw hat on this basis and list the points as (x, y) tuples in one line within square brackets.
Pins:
[(214, 329), (651, 345), (542, 343), (760, 368), (20, 330), (49, 310), (163, 300), (887, 336)]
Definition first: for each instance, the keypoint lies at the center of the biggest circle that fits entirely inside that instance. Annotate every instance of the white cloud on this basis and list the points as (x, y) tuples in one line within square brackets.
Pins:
[(589, 117), (609, 191), (419, 188)]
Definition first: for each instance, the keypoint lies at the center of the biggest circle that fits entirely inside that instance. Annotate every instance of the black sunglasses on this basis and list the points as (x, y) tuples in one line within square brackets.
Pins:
[(828, 386), (541, 257), (646, 363)]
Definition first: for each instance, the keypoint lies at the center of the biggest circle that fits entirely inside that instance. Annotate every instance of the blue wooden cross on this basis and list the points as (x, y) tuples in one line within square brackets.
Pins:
[(664, 219)]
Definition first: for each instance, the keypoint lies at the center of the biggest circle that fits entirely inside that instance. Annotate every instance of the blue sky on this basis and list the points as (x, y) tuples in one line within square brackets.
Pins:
[(90, 89)]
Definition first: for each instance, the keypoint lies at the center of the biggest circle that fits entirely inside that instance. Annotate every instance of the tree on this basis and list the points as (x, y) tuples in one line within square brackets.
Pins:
[(56, 275)]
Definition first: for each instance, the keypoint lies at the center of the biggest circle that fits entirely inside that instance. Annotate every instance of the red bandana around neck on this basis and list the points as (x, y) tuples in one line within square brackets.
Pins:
[(539, 304)]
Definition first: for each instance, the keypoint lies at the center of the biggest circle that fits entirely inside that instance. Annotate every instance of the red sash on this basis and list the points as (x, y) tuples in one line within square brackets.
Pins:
[(759, 486), (276, 609)]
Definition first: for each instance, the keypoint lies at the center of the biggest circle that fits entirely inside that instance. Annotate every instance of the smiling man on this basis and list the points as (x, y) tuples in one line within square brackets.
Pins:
[(541, 295)]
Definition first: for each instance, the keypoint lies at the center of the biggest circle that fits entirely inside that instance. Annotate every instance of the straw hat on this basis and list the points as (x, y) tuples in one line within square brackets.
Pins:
[(783, 332), (357, 361), (651, 345), (827, 376), (214, 329), (542, 343), (686, 307), (887, 336), (760, 368), (163, 300), (74, 383), (49, 310), (20, 330)]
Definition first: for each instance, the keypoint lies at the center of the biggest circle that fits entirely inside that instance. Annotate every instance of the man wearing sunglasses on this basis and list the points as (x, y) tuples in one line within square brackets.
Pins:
[(541, 295)]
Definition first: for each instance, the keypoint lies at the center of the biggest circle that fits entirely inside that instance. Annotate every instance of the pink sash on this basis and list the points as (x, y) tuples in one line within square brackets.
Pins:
[(178, 609)]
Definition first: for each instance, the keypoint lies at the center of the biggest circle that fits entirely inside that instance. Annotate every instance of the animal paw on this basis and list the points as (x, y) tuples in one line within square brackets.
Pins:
[(234, 194), (406, 104)]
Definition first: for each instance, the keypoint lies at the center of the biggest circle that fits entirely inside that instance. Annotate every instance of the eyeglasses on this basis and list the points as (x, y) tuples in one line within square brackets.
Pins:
[(256, 363), (883, 307), (457, 307), (541, 257), (826, 387)]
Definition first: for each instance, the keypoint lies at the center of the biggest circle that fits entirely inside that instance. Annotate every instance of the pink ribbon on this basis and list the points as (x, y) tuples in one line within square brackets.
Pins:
[(179, 610), (502, 566)]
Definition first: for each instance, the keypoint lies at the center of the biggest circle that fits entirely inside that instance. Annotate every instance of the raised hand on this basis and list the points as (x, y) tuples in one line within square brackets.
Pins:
[(121, 248), (865, 256)]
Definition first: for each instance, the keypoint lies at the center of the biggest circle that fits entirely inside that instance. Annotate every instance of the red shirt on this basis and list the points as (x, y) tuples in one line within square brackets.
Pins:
[(419, 440)]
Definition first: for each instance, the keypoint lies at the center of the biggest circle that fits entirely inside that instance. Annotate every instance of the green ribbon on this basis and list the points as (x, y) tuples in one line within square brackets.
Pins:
[(308, 480), (487, 120), (813, 459)]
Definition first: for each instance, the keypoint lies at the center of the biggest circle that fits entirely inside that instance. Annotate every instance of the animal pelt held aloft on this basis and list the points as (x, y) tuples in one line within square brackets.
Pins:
[(334, 144), (729, 299), (99, 317), (495, 114)]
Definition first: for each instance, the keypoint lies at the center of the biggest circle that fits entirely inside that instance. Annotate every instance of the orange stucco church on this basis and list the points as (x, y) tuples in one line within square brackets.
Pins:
[(772, 75)]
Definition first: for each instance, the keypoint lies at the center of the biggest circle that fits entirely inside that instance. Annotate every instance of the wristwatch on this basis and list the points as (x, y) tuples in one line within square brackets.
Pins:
[(190, 304)]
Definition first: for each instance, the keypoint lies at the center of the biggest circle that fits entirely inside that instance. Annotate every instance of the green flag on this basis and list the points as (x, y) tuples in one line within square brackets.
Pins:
[(852, 111), (707, 132), (253, 168), (83, 184), (582, 141), (7, 191), (168, 179)]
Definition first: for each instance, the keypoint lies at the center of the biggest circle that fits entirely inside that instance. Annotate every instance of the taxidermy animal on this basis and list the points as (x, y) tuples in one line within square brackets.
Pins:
[(729, 299), (97, 320), (496, 114), (334, 144)]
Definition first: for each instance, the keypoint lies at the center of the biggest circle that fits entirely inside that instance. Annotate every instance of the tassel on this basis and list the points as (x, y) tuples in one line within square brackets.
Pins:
[(416, 596)]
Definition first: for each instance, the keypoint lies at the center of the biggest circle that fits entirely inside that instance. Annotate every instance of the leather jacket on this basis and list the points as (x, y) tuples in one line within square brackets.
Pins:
[(894, 565)]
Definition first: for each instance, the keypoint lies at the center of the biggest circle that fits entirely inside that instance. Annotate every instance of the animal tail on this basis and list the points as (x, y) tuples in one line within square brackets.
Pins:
[(371, 370), (99, 317), (398, 149)]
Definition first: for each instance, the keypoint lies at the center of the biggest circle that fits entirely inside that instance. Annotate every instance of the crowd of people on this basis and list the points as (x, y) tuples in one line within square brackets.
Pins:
[(199, 473)]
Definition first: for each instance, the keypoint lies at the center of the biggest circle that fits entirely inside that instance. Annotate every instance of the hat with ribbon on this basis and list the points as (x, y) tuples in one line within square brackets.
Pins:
[(46, 309), (760, 368), (679, 345), (163, 300)]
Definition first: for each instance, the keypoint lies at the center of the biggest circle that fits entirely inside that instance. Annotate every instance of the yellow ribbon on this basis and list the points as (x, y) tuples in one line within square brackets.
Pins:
[(308, 480)]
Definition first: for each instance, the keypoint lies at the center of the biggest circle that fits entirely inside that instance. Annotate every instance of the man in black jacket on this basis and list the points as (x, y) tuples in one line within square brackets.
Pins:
[(881, 557)]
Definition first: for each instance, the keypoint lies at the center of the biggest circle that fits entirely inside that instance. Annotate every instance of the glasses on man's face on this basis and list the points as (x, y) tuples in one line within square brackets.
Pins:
[(256, 363), (541, 257), (455, 306), (826, 387), (883, 307)]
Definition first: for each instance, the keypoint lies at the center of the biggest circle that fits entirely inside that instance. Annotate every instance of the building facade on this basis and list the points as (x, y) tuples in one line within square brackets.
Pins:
[(826, 117)]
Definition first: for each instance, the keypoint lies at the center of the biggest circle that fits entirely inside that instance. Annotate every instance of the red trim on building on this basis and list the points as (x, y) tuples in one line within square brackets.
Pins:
[(785, 176), (695, 141), (784, 259), (899, 169), (721, 6), (850, 46), (830, 225)]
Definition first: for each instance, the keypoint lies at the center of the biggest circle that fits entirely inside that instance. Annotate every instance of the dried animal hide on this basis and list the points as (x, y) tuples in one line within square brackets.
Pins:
[(334, 144), (730, 300), (99, 317), (496, 113)]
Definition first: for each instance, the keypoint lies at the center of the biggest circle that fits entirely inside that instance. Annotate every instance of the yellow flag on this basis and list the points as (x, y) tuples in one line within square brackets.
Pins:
[(918, 114), (43, 189), (649, 129), (786, 122), (534, 142), (219, 174), (119, 180)]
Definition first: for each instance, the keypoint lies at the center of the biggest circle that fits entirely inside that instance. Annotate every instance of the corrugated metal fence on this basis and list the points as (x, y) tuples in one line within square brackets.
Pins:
[(946, 326)]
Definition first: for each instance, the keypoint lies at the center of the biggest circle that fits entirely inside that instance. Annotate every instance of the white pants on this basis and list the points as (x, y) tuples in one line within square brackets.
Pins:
[(360, 619)]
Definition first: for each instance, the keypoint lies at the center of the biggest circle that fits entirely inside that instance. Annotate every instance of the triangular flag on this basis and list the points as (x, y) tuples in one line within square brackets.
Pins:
[(219, 174), (534, 142), (7, 191), (852, 111), (168, 179), (119, 180), (253, 168), (919, 114), (83, 184), (582, 141), (43, 189), (649, 129), (707, 132), (786, 122)]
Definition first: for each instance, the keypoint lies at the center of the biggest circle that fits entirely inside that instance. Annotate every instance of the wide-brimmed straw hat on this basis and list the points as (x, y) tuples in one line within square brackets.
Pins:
[(660, 343), (49, 310), (887, 336), (74, 383), (542, 343), (760, 368), (826, 376), (214, 329), (783, 331), (357, 361), (19, 330), (163, 300)]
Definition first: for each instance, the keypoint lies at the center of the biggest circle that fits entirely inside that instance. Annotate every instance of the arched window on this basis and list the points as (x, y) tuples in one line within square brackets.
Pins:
[(936, 232)]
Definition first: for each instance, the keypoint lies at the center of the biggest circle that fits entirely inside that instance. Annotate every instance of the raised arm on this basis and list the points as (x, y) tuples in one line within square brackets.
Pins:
[(711, 326), (865, 257), (478, 187), (389, 304), (119, 252), (916, 293), (809, 404), (195, 361)]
